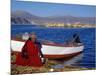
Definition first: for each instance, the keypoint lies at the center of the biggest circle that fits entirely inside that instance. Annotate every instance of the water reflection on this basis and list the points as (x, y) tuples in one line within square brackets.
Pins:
[(73, 61)]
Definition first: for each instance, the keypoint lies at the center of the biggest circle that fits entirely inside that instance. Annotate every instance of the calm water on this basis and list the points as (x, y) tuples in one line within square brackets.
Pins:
[(60, 35)]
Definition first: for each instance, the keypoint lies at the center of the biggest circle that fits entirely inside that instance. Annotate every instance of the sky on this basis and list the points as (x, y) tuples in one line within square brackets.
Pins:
[(54, 9)]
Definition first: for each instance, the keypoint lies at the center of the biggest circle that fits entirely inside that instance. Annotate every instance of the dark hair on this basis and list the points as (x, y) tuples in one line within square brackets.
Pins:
[(29, 38)]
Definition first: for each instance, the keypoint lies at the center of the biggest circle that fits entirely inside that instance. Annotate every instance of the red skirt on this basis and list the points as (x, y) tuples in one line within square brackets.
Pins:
[(34, 61)]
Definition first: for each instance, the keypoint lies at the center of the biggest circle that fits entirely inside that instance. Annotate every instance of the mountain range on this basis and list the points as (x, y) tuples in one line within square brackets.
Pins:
[(23, 17)]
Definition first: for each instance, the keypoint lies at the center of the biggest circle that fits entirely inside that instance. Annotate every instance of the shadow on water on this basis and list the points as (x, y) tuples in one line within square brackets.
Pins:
[(71, 62)]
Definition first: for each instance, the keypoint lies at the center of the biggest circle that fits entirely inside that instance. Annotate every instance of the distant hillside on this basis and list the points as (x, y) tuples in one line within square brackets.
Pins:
[(23, 17)]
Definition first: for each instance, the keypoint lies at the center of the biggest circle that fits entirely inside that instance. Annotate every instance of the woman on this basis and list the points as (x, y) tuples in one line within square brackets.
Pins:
[(30, 54)]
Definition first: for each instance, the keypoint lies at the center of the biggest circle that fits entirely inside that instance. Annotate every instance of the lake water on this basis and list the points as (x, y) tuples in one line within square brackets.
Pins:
[(87, 36)]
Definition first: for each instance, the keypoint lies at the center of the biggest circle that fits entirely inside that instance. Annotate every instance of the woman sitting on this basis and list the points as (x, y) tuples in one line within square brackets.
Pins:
[(30, 55)]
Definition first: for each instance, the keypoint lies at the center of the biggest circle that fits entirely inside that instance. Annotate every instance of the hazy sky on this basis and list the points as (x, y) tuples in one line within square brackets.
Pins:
[(51, 9)]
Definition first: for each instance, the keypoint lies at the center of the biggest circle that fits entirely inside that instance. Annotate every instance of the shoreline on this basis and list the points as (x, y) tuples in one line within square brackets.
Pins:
[(40, 26), (47, 67)]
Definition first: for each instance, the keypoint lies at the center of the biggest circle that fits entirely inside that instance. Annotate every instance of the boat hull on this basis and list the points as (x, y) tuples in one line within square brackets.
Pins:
[(50, 51), (64, 56)]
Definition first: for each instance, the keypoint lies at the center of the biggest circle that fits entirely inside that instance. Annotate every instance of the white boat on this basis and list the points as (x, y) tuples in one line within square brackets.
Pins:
[(52, 50)]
